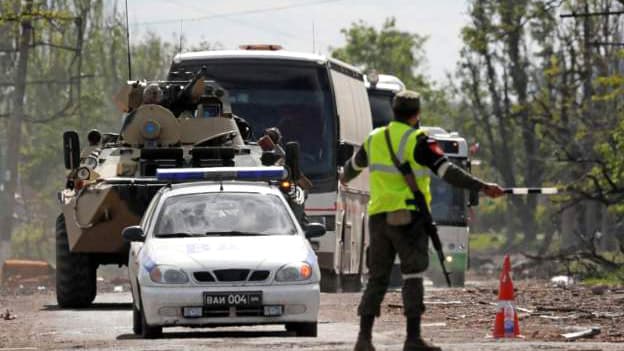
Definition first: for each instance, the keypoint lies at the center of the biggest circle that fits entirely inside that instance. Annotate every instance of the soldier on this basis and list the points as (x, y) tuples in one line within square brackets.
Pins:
[(394, 221), (152, 94)]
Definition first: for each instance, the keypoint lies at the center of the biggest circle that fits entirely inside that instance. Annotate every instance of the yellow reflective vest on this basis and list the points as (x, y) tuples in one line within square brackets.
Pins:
[(388, 190)]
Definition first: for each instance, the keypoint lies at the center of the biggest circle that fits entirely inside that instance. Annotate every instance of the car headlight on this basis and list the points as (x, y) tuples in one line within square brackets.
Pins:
[(294, 272), (168, 275)]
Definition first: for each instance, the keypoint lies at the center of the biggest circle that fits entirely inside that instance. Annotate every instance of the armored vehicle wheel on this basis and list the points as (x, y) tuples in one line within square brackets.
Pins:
[(306, 329), (75, 275)]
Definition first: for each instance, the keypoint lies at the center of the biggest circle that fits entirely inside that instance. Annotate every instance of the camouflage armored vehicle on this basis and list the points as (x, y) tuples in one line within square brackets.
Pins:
[(112, 180)]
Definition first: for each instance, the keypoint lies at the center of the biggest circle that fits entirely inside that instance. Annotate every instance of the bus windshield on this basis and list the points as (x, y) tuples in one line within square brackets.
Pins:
[(448, 203), (381, 106), (292, 96)]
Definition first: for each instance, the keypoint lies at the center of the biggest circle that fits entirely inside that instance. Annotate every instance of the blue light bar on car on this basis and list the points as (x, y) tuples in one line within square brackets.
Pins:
[(222, 173)]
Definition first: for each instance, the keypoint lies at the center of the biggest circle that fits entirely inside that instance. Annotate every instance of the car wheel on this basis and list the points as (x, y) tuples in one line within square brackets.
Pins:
[(148, 331), (305, 329), (137, 323)]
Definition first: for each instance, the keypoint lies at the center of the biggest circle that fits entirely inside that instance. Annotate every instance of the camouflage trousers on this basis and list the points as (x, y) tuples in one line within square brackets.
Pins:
[(411, 243)]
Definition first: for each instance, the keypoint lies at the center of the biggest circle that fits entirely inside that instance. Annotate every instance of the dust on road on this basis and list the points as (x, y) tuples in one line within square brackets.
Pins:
[(457, 319)]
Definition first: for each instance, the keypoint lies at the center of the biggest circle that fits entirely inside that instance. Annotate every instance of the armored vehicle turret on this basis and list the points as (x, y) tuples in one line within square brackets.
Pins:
[(167, 124)]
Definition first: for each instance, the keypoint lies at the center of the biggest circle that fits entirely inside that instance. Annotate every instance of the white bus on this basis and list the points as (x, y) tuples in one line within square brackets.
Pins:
[(320, 102)]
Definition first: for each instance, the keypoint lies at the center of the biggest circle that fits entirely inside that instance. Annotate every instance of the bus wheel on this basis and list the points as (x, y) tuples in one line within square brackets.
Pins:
[(458, 279), (351, 283), (329, 281)]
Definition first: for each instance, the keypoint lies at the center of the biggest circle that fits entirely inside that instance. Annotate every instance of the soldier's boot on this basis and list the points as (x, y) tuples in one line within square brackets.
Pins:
[(363, 345), (364, 341), (414, 341)]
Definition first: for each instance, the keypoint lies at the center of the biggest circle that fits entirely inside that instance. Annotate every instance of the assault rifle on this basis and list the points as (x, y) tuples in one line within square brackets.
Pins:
[(419, 200)]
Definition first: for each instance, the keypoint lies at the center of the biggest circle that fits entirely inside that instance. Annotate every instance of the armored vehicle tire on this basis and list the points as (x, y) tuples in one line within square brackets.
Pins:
[(305, 329), (75, 275)]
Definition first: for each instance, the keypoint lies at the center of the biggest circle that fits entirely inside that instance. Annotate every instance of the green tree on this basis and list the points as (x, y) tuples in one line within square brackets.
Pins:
[(387, 50), (76, 62)]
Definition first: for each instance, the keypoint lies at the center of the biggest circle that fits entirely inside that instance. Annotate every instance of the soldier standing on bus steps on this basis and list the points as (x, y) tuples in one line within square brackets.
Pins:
[(394, 221)]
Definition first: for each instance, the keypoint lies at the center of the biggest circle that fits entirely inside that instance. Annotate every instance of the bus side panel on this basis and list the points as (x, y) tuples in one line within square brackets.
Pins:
[(355, 118), (354, 115)]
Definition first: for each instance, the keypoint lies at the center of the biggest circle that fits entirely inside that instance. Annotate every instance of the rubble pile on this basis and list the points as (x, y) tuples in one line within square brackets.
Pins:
[(26, 275), (546, 312)]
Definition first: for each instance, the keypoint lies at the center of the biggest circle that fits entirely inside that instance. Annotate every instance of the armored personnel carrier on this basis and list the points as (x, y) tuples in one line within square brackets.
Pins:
[(168, 124)]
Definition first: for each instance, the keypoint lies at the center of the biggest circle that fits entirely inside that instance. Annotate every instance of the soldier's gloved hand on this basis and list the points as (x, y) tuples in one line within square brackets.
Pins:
[(493, 190)]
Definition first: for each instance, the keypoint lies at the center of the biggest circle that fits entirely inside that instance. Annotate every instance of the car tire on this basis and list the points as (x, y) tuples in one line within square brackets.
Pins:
[(75, 274), (148, 331), (137, 322), (303, 329)]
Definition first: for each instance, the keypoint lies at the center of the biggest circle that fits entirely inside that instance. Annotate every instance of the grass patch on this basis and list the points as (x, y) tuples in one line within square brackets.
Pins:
[(610, 279)]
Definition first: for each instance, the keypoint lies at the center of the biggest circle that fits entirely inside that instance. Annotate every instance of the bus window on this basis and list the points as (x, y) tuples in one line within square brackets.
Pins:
[(448, 203), (381, 106), (295, 97)]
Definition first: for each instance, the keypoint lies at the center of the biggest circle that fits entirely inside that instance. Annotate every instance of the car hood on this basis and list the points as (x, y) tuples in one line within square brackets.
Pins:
[(245, 252)]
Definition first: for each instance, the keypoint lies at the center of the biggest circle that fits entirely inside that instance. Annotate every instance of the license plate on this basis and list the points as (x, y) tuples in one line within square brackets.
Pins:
[(252, 298)]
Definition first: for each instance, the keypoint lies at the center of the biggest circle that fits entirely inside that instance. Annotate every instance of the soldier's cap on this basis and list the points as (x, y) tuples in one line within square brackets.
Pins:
[(406, 102)]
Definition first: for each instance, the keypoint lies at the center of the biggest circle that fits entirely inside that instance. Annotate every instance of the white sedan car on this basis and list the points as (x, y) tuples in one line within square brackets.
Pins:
[(218, 254)]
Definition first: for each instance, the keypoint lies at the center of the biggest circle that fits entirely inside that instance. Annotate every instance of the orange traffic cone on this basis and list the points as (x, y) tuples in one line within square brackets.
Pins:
[(506, 322)]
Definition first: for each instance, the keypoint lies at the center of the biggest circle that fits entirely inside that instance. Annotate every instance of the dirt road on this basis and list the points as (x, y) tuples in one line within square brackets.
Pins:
[(457, 319)]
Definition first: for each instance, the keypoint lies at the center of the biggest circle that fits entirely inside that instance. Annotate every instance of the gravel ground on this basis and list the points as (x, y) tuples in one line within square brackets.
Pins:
[(457, 319)]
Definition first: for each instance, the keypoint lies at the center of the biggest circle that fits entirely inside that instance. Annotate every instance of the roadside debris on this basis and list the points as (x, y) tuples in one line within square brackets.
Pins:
[(584, 333), (599, 290), (118, 289), (562, 281), (27, 274), (7, 316)]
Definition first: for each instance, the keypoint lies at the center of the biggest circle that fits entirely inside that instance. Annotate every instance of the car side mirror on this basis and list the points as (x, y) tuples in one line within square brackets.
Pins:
[(314, 230), (133, 234), (71, 149), (473, 198), (345, 151)]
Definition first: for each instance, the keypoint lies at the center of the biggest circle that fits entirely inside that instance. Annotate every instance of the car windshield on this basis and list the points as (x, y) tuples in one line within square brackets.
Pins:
[(448, 204), (224, 214), (295, 97), (381, 107)]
